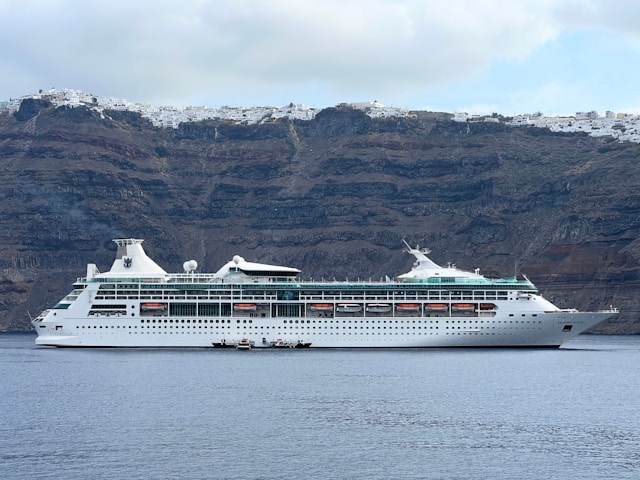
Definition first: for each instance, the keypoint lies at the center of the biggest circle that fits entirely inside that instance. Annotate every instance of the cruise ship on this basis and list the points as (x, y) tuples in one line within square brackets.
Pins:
[(253, 305)]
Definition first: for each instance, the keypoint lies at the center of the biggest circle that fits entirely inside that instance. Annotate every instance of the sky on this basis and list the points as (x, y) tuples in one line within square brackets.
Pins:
[(509, 57)]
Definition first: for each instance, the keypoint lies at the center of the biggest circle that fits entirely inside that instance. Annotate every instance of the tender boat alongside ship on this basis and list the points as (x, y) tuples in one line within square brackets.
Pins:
[(244, 344), (252, 305)]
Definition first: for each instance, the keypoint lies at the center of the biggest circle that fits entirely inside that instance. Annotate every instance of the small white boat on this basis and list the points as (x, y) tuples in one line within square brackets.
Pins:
[(280, 343), (244, 344)]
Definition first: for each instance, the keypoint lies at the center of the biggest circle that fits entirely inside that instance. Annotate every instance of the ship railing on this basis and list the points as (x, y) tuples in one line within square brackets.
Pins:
[(123, 280), (521, 285), (574, 310)]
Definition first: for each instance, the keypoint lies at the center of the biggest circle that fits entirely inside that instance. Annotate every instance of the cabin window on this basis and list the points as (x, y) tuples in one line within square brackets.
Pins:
[(208, 309), (287, 295), (286, 310), (182, 309)]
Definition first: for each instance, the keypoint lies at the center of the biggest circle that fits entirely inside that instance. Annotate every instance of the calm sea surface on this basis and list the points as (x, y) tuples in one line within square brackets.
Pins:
[(572, 413)]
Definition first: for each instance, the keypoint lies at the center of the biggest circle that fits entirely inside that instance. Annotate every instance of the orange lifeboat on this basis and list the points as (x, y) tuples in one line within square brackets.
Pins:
[(487, 306), (244, 307), (321, 307), (437, 307), (463, 307), (152, 307), (408, 307)]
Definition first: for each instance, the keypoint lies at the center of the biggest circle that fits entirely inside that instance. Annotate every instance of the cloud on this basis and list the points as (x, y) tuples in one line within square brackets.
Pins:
[(214, 52)]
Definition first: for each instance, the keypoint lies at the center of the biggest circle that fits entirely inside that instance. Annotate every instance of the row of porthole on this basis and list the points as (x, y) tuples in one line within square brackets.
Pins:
[(342, 333), (200, 327), (187, 321), (345, 328), (322, 333), (218, 321), (314, 328), (284, 327)]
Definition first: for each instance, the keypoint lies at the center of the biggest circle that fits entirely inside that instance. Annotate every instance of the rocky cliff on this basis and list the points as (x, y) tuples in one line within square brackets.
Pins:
[(333, 196)]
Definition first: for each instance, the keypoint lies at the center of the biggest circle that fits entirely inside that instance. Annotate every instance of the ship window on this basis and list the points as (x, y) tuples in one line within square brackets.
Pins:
[(567, 328), (182, 309)]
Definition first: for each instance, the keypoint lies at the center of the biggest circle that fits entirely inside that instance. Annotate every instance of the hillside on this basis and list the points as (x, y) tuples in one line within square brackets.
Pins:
[(333, 196)]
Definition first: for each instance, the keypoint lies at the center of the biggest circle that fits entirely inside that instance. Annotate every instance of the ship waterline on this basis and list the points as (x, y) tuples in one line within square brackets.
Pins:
[(138, 304)]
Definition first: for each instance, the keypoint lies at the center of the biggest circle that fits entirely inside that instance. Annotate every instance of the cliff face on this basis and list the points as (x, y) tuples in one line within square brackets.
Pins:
[(333, 196)]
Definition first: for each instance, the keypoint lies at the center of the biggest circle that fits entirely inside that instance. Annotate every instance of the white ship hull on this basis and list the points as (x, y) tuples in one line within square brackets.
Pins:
[(543, 330)]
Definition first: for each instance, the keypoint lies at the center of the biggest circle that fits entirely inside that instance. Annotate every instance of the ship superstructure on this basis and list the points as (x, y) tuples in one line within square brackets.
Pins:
[(138, 304)]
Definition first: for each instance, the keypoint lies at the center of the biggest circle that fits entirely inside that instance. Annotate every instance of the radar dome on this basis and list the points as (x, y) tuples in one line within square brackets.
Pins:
[(190, 266), (237, 259)]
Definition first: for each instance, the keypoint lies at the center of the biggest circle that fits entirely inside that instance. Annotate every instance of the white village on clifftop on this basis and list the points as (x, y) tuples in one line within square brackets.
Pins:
[(620, 126)]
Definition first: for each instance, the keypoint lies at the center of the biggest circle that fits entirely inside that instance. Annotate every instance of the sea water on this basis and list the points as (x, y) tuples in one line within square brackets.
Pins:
[(562, 413)]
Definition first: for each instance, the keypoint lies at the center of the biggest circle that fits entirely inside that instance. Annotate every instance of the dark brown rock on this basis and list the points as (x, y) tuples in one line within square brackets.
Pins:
[(333, 197)]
